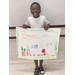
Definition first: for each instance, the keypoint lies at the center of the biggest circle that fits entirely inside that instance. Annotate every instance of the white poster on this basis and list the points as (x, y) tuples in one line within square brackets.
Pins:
[(37, 44)]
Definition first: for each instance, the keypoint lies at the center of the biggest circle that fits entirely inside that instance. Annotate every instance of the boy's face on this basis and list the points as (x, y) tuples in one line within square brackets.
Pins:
[(35, 10)]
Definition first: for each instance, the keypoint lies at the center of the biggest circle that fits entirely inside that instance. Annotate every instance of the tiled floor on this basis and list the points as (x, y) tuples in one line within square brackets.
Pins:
[(53, 67)]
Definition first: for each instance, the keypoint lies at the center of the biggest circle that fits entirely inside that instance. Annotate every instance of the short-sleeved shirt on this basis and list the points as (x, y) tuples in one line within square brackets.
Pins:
[(39, 22)]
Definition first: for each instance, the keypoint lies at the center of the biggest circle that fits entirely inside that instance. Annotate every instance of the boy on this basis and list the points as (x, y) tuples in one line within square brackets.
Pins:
[(37, 21)]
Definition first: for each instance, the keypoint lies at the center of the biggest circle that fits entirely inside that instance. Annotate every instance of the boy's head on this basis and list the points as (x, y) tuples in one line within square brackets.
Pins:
[(35, 9)]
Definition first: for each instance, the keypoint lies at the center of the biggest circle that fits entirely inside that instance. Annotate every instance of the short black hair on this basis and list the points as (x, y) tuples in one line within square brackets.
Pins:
[(35, 3)]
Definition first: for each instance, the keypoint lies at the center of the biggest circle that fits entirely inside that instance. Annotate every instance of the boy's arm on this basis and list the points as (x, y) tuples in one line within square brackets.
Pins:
[(47, 26), (25, 26)]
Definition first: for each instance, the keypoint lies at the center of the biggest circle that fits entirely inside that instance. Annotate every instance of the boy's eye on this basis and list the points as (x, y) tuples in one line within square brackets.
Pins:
[(32, 9), (36, 9)]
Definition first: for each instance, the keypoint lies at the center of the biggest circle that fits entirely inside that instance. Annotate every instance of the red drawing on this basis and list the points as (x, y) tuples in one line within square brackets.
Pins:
[(43, 51), (30, 55), (28, 51), (44, 54), (33, 54)]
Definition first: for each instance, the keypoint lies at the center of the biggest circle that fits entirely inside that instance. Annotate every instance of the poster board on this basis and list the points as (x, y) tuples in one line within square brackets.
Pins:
[(37, 44)]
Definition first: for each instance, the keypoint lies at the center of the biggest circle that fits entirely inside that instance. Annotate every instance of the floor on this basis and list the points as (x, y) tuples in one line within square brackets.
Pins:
[(26, 67)]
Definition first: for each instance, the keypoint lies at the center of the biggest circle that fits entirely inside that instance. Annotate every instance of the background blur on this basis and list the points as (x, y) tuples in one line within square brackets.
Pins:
[(53, 10)]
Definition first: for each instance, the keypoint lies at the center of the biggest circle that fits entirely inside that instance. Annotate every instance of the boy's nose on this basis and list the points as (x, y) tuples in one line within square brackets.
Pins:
[(35, 9)]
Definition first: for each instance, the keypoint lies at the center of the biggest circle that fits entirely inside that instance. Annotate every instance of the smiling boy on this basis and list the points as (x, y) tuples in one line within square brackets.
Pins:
[(37, 21)]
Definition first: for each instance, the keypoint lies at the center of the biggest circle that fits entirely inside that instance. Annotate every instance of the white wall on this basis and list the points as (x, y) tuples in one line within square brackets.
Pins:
[(19, 11)]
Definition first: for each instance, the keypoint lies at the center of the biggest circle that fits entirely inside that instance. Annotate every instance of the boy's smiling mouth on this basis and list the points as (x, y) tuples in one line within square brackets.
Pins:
[(35, 13)]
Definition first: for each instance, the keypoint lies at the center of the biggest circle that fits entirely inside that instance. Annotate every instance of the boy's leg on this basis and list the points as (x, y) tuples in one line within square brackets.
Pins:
[(41, 62), (36, 62), (36, 72)]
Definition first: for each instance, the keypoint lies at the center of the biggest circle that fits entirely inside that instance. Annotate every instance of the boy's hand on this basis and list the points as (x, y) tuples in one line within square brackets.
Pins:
[(24, 26), (47, 26)]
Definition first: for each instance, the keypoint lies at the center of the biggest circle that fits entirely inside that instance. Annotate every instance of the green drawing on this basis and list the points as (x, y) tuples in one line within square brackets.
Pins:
[(21, 48), (24, 49), (50, 31), (56, 46), (17, 40)]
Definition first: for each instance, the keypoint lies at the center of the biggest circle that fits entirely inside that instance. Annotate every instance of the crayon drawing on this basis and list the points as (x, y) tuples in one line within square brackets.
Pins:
[(37, 43)]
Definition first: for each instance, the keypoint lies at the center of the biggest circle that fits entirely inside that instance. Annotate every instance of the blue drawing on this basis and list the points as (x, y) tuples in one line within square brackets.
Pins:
[(50, 43), (31, 46), (34, 46), (47, 44)]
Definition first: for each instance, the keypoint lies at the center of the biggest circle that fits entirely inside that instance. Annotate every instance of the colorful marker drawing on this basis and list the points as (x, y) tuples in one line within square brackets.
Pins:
[(23, 51), (37, 43), (43, 51)]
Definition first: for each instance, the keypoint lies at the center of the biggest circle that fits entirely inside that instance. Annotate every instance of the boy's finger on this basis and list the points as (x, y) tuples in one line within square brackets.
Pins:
[(46, 28)]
